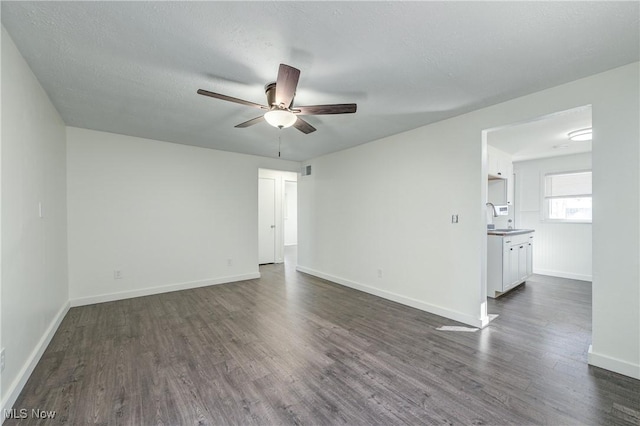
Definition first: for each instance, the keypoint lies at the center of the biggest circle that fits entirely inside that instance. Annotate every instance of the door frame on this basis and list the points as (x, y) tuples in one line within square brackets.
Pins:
[(272, 219), (280, 176)]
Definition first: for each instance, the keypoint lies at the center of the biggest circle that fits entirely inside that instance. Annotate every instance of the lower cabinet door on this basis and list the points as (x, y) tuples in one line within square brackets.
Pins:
[(522, 262), (506, 269), (529, 248), (514, 264)]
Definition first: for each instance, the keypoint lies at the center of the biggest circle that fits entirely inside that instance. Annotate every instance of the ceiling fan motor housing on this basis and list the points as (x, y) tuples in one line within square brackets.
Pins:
[(270, 91)]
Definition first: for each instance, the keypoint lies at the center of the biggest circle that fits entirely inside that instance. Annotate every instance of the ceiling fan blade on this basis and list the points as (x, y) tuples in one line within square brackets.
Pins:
[(325, 109), (231, 99), (303, 126), (251, 122), (286, 85)]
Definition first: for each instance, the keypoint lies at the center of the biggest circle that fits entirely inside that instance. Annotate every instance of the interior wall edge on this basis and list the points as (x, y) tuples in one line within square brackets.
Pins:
[(150, 291), (562, 274), (394, 297), (30, 363), (613, 364), (35, 295)]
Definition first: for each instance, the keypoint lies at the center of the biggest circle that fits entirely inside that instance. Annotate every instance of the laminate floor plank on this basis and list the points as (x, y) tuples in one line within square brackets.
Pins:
[(290, 348)]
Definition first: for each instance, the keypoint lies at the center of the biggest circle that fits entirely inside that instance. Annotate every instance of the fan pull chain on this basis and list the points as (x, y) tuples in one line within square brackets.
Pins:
[(279, 143)]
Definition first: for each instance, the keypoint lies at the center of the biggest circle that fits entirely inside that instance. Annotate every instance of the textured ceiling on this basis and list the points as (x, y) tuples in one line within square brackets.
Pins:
[(134, 67), (544, 136)]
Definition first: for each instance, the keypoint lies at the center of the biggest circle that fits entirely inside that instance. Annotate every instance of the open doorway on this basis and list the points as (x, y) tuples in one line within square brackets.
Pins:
[(544, 193), (277, 215)]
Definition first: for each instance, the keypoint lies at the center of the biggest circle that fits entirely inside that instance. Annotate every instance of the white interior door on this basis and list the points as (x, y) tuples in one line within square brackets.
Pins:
[(266, 220)]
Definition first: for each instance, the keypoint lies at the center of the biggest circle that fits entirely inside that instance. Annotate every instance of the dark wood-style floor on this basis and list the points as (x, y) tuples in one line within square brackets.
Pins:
[(293, 349)]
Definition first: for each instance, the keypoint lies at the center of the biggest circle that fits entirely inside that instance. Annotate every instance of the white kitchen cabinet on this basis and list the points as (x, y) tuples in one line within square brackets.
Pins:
[(511, 268), (509, 261), (529, 255), (499, 164), (522, 261)]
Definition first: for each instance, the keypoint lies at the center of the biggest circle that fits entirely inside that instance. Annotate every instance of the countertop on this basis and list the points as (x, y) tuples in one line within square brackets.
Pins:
[(503, 232)]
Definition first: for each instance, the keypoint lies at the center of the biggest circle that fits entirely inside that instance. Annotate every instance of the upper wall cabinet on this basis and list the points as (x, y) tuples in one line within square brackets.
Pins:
[(499, 164)]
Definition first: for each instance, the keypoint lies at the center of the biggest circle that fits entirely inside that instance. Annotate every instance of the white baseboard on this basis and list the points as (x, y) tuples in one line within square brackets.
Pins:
[(561, 274), (427, 307), (613, 364), (149, 291), (30, 364)]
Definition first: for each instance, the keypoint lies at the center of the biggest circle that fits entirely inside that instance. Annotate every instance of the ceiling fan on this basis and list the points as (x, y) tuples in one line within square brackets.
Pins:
[(280, 111)]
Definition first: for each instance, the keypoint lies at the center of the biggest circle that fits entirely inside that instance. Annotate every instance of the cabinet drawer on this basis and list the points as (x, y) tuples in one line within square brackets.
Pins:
[(512, 240)]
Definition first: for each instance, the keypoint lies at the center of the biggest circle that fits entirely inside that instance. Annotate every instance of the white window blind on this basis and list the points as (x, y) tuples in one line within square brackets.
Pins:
[(567, 196)]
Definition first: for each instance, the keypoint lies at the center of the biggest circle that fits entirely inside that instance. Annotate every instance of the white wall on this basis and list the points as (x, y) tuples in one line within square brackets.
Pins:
[(168, 216), (378, 218), (560, 249), (34, 249), (387, 205), (616, 187)]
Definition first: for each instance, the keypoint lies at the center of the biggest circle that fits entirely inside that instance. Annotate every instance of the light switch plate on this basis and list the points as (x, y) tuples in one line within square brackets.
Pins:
[(454, 218)]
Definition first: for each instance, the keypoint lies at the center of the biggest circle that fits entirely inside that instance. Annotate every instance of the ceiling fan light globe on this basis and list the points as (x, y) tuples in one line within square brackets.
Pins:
[(280, 118)]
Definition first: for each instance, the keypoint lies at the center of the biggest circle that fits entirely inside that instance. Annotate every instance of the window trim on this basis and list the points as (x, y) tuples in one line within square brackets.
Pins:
[(544, 201)]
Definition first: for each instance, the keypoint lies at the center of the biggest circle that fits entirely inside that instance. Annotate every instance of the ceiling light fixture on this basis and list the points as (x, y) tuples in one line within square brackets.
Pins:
[(581, 135), (280, 118)]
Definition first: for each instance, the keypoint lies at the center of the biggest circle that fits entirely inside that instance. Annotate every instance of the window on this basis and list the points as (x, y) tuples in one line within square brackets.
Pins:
[(567, 197)]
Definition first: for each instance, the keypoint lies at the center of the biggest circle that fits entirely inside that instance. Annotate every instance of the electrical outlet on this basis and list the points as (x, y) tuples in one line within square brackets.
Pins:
[(2, 360), (117, 274), (454, 218), (229, 262), (379, 273)]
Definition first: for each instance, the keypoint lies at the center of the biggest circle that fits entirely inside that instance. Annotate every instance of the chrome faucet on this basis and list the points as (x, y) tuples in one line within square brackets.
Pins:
[(495, 211)]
